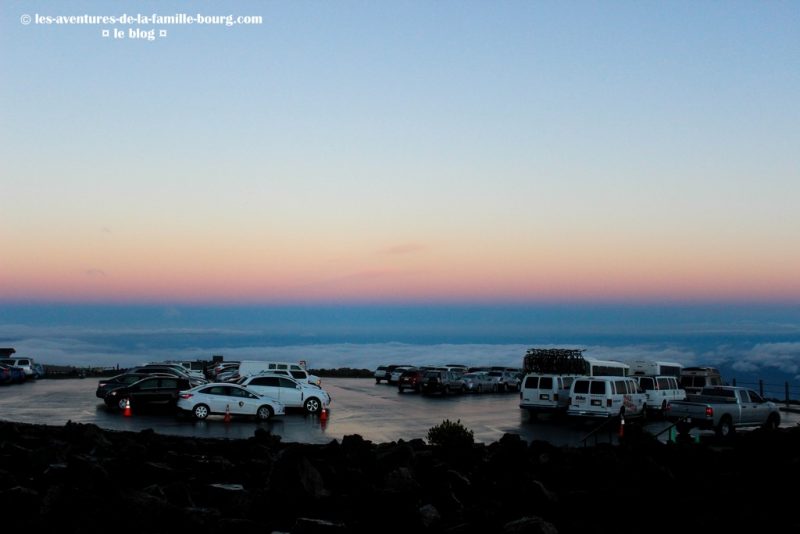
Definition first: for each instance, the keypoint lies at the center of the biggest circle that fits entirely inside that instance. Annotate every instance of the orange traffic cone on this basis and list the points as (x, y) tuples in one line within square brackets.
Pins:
[(323, 415), (227, 413), (127, 411), (621, 426)]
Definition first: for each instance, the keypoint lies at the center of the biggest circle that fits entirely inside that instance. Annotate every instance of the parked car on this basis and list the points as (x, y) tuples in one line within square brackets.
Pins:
[(410, 379), (384, 372), (222, 399), (292, 393), (443, 382), (502, 381), (294, 370), (16, 375), (397, 372), (172, 370), (477, 382), (126, 379), (153, 391), (26, 364)]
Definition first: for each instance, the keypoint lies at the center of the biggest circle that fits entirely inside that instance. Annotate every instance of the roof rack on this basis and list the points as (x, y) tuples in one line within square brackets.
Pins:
[(555, 361)]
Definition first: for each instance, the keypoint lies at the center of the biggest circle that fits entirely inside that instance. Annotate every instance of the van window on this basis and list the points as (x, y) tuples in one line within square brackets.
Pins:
[(546, 382), (300, 375), (622, 387), (598, 387), (567, 381), (532, 382), (646, 382), (663, 383), (581, 386)]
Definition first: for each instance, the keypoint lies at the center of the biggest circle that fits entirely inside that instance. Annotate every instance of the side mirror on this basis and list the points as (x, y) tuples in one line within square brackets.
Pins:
[(298, 386)]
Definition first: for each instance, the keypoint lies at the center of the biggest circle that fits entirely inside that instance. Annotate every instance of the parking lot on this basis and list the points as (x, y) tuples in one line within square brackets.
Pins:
[(377, 412)]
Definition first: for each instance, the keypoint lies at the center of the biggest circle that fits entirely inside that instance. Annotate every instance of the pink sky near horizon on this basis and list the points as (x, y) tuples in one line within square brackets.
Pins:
[(410, 271)]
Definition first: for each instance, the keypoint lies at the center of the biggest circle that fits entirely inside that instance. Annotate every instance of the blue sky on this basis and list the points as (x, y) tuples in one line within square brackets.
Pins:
[(403, 151)]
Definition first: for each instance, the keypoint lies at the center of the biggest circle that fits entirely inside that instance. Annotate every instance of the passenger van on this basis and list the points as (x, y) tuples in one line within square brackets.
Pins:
[(606, 368), (293, 370), (606, 396), (654, 368), (660, 390), (694, 379), (545, 393)]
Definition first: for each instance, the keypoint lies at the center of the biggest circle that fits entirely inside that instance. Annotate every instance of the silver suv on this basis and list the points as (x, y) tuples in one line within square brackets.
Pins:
[(292, 393)]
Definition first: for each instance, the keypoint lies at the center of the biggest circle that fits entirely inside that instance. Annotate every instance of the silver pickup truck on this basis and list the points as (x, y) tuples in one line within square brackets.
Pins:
[(723, 409)]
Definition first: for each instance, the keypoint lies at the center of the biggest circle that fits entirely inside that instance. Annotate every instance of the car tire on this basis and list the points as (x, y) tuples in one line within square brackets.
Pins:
[(312, 405), (122, 402), (200, 411), (725, 428), (264, 413), (773, 422), (399, 389)]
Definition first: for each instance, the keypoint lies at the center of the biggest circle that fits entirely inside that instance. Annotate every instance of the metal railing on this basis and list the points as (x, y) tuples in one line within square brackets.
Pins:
[(785, 393)]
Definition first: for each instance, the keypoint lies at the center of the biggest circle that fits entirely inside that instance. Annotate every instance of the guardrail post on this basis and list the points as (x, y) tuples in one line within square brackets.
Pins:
[(761, 387)]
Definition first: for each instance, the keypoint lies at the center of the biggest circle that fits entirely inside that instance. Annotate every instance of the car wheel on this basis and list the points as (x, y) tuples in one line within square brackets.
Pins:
[(480, 388), (264, 413), (377, 380), (399, 389), (773, 422), (725, 428), (200, 411), (122, 402), (312, 405), (682, 428), (494, 388)]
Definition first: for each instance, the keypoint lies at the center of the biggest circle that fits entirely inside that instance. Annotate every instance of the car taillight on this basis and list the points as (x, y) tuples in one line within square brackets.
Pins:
[(186, 395), (709, 411)]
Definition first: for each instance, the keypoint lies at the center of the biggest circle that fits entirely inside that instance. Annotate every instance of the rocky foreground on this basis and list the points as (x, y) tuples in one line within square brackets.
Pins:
[(79, 478)]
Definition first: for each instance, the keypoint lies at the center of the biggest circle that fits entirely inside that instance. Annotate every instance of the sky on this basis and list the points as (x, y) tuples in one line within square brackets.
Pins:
[(402, 152)]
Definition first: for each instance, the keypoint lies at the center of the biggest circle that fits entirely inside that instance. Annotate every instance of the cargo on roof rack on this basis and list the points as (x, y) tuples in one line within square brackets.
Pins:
[(555, 361)]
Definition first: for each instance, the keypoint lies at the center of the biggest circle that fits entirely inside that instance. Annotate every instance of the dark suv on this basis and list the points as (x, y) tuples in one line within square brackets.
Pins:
[(411, 379), (442, 382)]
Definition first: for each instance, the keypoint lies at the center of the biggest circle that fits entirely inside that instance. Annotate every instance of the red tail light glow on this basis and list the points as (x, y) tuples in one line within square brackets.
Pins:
[(709, 411), (186, 395)]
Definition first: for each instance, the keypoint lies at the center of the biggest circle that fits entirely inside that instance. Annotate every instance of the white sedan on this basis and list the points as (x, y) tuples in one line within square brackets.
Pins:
[(208, 399)]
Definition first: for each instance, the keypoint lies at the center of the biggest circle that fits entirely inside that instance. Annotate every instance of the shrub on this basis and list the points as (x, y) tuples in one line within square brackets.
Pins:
[(451, 435)]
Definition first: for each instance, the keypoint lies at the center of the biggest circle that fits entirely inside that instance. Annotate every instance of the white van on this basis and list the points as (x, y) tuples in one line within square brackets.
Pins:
[(545, 393), (294, 370), (606, 396), (660, 390)]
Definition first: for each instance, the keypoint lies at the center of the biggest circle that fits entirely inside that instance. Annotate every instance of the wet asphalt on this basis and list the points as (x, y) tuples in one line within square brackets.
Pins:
[(377, 412)]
